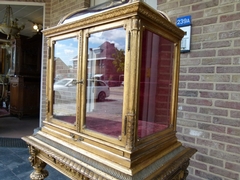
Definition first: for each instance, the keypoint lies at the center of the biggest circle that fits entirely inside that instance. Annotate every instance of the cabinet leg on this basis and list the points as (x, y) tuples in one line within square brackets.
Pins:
[(38, 165)]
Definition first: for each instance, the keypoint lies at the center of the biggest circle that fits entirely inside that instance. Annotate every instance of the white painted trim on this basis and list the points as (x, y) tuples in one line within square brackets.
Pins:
[(22, 3), (41, 78)]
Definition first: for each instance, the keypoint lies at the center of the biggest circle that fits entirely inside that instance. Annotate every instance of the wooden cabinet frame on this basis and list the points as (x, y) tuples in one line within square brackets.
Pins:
[(129, 156)]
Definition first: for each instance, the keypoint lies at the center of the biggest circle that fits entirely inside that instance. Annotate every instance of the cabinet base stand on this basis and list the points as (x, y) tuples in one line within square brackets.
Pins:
[(76, 165)]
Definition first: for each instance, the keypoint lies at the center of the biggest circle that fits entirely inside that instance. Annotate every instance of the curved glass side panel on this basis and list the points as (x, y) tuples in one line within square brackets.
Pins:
[(155, 84), (92, 11), (105, 68), (65, 75)]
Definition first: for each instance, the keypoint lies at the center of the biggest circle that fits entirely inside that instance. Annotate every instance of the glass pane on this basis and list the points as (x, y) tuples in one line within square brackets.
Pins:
[(155, 84), (106, 56), (65, 75)]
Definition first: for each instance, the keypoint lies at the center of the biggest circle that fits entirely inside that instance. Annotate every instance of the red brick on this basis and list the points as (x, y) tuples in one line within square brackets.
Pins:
[(198, 165), (196, 133), (180, 100), (190, 62), (183, 70), (209, 160), (179, 129), (211, 127), (236, 43), (206, 175), (169, 5), (208, 86), (185, 123), (196, 46), (196, 30), (178, 10), (191, 177), (226, 121), (236, 60), (211, 144), (197, 15), (206, 53), (205, 21), (223, 172), (235, 114), (228, 52), (215, 78), (188, 93), (197, 117), (211, 111), (215, 27), (219, 10), (217, 61), (232, 166), (188, 2), (233, 69), (200, 102), (236, 25), (235, 96), (205, 5), (182, 85), (201, 70), (227, 104), (217, 44), (229, 17), (228, 87), (229, 34), (183, 55), (227, 139), (233, 149), (233, 131), (188, 108), (238, 7), (189, 77), (202, 38)]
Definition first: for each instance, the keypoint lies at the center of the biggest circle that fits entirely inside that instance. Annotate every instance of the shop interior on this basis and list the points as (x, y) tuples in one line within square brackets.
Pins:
[(20, 59)]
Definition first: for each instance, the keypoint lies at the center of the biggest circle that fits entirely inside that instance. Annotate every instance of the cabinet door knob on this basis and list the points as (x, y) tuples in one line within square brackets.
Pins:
[(80, 82)]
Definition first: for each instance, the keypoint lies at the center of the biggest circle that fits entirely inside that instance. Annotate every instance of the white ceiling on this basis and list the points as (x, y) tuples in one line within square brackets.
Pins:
[(25, 14)]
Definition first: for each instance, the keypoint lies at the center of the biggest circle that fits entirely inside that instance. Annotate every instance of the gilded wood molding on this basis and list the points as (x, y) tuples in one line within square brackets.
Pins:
[(129, 10)]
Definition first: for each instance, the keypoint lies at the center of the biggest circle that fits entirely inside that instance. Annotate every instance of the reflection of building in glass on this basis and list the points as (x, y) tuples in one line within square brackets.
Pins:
[(64, 71), (104, 68)]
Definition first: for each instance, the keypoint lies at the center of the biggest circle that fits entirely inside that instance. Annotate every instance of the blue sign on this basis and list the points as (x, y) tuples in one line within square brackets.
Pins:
[(184, 21)]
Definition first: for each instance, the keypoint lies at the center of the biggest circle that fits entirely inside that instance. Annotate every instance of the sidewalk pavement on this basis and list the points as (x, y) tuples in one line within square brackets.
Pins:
[(14, 163)]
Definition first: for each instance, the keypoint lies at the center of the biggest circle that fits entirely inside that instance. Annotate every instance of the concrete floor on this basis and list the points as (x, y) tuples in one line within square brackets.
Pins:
[(14, 163), (12, 127)]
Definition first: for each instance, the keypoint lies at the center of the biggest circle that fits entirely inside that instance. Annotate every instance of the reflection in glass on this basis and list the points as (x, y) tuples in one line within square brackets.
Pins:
[(155, 84), (65, 75), (105, 68)]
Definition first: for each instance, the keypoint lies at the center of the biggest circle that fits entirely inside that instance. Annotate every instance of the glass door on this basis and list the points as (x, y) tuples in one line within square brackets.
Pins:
[(105, 82), (64, 80)]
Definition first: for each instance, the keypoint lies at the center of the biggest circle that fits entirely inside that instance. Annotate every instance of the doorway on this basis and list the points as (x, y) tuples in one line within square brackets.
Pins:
[(17, 62)]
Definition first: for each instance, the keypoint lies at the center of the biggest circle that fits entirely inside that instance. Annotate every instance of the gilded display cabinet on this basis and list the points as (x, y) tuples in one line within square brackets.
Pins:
[(112, 89)]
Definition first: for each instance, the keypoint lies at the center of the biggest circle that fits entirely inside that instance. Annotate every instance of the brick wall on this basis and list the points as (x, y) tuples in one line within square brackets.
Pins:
[(209, 96), (60, 8)]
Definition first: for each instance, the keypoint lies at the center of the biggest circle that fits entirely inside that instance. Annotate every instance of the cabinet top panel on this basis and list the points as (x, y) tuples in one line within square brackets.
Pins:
[(85, 19)]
